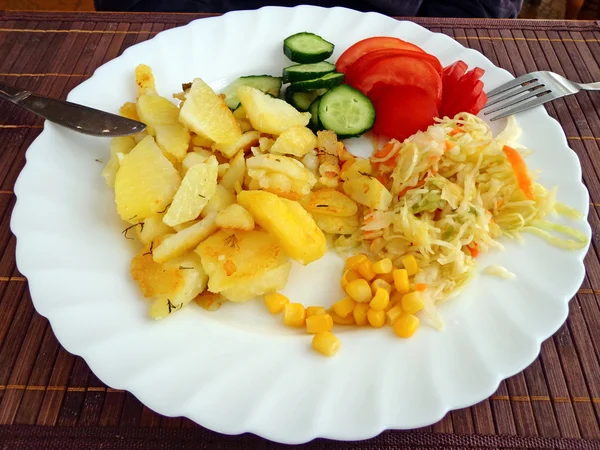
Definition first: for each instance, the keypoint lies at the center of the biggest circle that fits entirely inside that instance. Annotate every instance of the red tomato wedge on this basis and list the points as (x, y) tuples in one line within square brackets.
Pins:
[(479, 103), (453, 72), (367, 45), (362, 64), (468, 102), (464, 94), (400, 71), (401, 111)]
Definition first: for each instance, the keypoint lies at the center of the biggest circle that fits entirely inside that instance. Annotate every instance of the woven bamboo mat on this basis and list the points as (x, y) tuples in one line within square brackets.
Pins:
[(50, 399)]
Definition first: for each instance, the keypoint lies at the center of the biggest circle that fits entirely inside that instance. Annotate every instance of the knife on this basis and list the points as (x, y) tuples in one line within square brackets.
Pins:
[(82, 119)]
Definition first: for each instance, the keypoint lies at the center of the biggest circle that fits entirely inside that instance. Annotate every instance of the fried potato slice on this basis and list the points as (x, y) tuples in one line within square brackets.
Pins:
[(287, 220), (239, 259), (330, 202)]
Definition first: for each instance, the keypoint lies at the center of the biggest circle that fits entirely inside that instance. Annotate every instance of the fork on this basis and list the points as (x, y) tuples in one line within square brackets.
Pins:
[(531, 90)]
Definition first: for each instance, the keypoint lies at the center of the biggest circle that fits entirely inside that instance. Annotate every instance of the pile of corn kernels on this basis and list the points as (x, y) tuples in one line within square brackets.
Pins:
[(377, 293)]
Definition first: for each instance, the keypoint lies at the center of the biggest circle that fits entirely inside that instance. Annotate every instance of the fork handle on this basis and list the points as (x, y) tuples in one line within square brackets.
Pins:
[(590, 86)]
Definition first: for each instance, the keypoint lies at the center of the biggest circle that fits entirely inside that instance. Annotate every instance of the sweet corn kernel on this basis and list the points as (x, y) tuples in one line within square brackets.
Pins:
[(341, 320), (389, 277), (410, 264), (326, 343), (348, 276), (318, 324), (406, 325), (360, 314), (379, 283), (344, 307), (381, 299), (413, 302), (359, 290), (365, 269), (393, 314), (355, 260), (294, 315), (383, 266), (401, 280), (315, 311), (396, 298), (376, 317), (275, 302)]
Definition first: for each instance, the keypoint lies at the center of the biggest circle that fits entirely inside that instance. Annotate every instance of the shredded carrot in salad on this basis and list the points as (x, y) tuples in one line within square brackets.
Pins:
[(518, 165), (456, 189)]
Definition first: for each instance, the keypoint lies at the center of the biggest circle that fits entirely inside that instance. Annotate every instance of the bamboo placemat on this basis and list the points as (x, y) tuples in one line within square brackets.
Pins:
[(50, 399)]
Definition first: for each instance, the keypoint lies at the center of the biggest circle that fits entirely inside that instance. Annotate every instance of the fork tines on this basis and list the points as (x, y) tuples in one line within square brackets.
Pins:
[(522, 93)]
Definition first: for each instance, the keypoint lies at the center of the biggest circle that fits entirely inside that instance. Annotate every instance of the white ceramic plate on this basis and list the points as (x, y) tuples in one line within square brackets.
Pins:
[(239, 370)]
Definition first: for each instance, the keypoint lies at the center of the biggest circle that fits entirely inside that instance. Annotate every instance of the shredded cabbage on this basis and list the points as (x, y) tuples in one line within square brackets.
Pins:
[(454, 194), (499, 271)]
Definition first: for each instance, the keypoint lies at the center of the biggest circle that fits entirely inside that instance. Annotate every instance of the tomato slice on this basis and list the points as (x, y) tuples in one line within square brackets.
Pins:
[(453, 73), (362, 64), (450, 79), (461, 96), (466, 100), (401, 111), (399, 71), (367, 45), (479, 103)]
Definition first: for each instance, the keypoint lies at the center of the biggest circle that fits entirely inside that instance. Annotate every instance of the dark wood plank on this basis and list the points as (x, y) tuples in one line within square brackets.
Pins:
[(40, 377), (50, 408)]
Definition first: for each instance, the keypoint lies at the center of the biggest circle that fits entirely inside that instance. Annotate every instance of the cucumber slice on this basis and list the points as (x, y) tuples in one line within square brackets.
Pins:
[(325, 82), (313, 109), (346, 111), (266, 83), (302, 100), (307, 48), (301, 72)]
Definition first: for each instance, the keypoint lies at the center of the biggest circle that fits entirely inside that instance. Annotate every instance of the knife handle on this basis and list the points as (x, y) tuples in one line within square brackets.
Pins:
[(12, 94)]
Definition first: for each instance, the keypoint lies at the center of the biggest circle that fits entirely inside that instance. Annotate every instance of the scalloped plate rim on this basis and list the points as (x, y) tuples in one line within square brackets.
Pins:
[(337, 433)]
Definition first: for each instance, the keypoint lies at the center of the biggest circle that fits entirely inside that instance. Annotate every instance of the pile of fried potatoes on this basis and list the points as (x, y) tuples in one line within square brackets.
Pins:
[(221, 200)]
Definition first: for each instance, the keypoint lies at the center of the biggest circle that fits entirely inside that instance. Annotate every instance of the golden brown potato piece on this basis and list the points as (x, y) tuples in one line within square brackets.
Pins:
[(144, 78), (234, 177), (270, 115), (152, 277), (119, 147), (336, 225), (330, 202), (222, 198), (162, 120), (239, 258), (145, 183), (281, 175), (246, 140), (186, 239), (288, 221), (129, 110), (235, 217), (297, 141), (197, 188), (201, 141), (153, 228), (355, 167), (329, 162), (368, 191), (270, 281), (207, 114), (194, 282), (210, 301)]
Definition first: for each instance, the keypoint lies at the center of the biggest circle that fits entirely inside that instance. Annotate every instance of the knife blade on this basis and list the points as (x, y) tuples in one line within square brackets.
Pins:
[(82, 119)]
